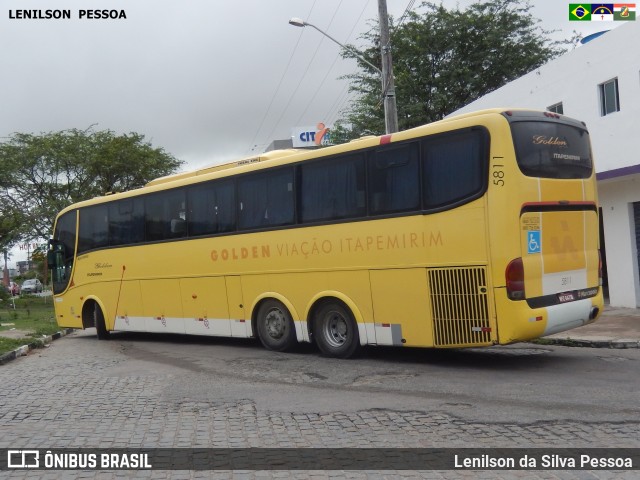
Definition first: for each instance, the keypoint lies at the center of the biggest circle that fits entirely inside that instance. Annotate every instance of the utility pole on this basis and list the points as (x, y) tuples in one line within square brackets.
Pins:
[(388, 87), (386, 74), (5, 270)]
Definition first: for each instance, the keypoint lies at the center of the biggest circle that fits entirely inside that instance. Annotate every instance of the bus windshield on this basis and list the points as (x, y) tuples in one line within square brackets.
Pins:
[(552, 150), (62, 251)]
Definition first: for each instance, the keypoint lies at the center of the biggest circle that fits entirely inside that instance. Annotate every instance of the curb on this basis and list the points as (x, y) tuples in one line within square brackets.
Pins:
[(37, 343), (603, 343)]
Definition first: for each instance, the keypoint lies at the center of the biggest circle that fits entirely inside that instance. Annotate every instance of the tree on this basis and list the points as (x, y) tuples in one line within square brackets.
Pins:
[(10, 223), (444, 59), (42, 174)]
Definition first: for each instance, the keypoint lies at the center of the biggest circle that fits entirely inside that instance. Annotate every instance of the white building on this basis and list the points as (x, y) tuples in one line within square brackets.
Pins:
[(598, 83)]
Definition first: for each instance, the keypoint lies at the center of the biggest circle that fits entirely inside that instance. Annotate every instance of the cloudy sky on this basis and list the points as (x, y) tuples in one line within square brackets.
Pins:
[(207, 80)]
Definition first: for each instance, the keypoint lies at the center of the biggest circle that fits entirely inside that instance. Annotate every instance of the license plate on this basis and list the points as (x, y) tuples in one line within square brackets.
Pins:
[(566, 297)]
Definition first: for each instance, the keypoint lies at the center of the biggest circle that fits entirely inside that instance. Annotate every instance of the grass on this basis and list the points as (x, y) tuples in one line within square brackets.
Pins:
[(9, 344), (32, 315)]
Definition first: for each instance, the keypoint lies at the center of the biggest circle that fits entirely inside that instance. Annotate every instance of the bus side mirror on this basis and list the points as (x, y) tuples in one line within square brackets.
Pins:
[(51, 259), (55, 254)]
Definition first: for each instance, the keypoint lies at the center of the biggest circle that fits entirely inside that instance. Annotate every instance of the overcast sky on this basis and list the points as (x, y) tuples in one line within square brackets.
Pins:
[(207, 80)]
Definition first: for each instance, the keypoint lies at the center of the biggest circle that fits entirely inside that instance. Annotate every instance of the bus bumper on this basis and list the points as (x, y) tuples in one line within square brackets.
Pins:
[(518, 322)]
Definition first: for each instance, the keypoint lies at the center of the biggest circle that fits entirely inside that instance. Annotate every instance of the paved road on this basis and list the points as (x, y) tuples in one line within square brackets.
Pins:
[(155, 391)]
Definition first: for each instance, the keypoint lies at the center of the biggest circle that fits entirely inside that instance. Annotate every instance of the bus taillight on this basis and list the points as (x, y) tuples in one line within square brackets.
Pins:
[(514, 275)]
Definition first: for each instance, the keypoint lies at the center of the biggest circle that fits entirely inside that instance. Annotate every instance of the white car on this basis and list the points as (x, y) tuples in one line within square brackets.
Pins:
[(31, 286)]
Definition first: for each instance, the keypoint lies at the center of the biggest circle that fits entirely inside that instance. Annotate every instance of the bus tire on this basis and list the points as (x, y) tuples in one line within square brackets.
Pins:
[(275, 327), (336, 331), (98, 321)]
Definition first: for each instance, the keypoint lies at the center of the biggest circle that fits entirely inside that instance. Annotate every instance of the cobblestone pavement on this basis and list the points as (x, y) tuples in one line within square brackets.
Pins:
[(55, 400)]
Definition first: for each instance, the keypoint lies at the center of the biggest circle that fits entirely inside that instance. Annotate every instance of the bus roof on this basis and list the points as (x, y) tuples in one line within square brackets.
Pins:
[(275, 154), (216, 168)]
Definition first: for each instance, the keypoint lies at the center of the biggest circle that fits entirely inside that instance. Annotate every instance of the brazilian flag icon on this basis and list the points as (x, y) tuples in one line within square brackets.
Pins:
[(580, 12)]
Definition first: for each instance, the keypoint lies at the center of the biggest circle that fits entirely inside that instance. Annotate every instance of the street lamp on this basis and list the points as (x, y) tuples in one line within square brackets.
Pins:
[(388, 90), (298, 22)]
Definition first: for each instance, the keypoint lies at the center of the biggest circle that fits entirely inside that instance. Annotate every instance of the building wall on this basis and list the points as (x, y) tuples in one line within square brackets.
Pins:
[(574, 80), (616, 200)]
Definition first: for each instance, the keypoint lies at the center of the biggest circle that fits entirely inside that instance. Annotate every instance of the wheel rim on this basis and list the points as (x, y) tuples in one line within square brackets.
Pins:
[(275, 323), (335, 329)]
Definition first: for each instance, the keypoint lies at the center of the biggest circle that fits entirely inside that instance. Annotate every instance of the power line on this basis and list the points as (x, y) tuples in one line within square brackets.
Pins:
[(277, 123), (366, 4), (406, 12), (337, 104), (273, 97)]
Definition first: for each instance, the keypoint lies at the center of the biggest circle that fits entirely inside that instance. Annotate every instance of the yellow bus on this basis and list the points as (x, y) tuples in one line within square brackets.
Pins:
[(477, 230)]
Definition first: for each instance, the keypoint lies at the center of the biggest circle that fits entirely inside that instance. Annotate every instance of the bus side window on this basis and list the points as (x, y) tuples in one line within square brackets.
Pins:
[(394, 179), (225, 206), (126, 222), (454, 168), (266, 199), (153, 226), (165, 215), (333, 188), (212, 208), (177, 215), (178, 227), (94, 228)]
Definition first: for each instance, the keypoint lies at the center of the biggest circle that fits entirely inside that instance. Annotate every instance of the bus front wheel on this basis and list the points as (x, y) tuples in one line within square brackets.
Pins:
[(336, 331), (275, 326), (98, 321)]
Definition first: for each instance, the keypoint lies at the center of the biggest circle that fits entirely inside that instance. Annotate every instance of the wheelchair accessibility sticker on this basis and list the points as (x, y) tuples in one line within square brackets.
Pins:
[(533, 243)]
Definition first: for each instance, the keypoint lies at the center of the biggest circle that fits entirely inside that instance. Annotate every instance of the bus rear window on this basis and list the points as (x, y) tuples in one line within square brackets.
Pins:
[(552, 150)]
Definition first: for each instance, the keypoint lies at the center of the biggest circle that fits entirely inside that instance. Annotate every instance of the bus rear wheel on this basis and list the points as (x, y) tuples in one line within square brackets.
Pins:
[(98, 321), (336, 331), (275, 326)]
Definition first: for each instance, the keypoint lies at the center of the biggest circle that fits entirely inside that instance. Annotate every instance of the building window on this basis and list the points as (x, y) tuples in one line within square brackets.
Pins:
[(556, 108), (609, 99)]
